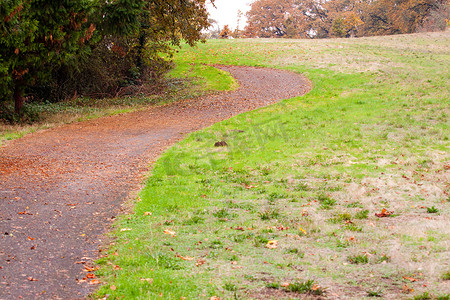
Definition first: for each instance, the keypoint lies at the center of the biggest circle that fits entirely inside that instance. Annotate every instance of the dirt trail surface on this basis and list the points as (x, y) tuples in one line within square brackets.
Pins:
[(60, 188)]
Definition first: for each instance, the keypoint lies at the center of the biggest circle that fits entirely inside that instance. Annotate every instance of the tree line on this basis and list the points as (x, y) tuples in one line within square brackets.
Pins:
[(344, 18), (62, 48)]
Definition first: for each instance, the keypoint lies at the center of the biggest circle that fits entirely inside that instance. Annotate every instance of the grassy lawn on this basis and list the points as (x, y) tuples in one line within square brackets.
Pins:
[(342, 193)]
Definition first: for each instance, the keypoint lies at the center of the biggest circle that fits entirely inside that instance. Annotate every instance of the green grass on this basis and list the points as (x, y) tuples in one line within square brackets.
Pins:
[(372, 134)]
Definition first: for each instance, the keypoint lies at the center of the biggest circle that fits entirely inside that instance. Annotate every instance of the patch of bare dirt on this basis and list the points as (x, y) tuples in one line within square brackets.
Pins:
[(61, 188)]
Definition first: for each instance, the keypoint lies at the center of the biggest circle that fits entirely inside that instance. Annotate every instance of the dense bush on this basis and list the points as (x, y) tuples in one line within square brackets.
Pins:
[(55, 50)]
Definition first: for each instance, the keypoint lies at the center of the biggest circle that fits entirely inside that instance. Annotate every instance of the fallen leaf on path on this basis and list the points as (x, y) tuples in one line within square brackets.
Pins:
[(90, 275), (24, 213), (91, 269), (285, 284), (32, 279), (95, 281)]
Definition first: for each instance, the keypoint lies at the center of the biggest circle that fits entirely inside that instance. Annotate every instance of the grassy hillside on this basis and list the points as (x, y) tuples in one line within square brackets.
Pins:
[(343, 192)]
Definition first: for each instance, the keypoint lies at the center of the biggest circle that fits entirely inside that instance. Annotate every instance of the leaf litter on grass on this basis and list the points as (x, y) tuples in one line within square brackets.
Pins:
[(346, 197)]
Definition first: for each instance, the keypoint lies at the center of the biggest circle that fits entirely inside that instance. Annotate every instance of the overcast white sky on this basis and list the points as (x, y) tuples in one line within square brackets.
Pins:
[(227, 10)]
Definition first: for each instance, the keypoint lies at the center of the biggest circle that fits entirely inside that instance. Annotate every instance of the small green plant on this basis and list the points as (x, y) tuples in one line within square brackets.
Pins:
[(234, 257), (352, 227), (223, 215), (273, 285), (302, 187), (194, 220), (215, 244), (275, 196), (230, 287), (432, 210), (446, 275), (326, 202), (375, 293), (341, 218), (424, 296), (355, 205), (249, 277), (299, 253), (384, 258), (362, 214), (269, 214), (443, 297), (358, 259), (341, 243), (305, 287)]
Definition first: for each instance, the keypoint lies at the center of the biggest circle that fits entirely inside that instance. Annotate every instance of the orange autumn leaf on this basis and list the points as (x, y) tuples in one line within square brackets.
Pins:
[(200, 262), (410, 278), (184, 257), (384, 213), (170, 232)]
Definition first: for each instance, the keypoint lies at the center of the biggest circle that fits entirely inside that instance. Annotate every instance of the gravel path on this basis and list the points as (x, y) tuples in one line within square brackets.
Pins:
[(61, 188)]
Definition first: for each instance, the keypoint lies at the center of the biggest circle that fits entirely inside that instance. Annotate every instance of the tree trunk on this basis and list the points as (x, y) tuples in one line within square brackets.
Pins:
[(18, 98)]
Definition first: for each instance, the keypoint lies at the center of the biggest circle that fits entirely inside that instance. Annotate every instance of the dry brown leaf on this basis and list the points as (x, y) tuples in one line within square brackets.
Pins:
[(407, 290), (200, 262), (32, 279), (94, 281), (384, 213), (148, 280), (410, 278), (90, 269), (184, 257), (113, 288), (170, 232), (272, 244)]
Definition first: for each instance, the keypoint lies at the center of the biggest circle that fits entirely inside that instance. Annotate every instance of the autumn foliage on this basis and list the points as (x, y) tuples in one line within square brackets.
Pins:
[(57, 49), (344, 18)]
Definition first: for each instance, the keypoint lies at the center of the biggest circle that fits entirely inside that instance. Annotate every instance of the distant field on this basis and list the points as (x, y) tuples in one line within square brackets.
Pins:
[(342, 193)]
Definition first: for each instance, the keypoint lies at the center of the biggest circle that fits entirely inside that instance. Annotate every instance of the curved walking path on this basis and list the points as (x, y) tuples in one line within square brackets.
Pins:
[(60, 188)]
